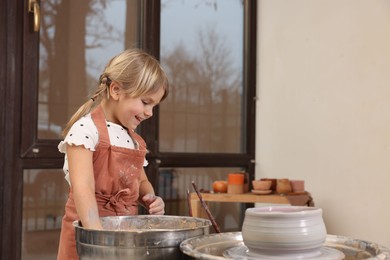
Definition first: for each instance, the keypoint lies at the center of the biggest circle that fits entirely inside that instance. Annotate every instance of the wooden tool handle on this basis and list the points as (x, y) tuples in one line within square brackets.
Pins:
[(216, 228)]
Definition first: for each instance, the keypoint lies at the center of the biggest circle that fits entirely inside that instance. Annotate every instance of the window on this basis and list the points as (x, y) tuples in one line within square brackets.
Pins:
[(38, 99), (202, 52), (206, 124)]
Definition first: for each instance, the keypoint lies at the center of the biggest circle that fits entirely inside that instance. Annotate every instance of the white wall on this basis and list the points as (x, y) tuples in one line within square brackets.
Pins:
[(324, 108)]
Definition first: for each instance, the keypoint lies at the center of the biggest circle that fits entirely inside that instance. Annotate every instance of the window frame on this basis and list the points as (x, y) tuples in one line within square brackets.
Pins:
[(149, 129), (21, 148)]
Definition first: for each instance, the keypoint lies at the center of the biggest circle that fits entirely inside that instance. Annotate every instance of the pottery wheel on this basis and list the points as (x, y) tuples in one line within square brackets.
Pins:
[(243, 253)]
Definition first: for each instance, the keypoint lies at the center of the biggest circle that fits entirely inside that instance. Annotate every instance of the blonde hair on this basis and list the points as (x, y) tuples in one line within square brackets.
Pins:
[(137, 71)]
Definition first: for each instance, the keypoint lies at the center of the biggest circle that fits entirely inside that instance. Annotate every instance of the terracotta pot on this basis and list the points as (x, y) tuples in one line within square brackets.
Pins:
[(262, 184), (297, 185), (273, 185), (235, 183), (220, 186), (236, 178), (283, 186)]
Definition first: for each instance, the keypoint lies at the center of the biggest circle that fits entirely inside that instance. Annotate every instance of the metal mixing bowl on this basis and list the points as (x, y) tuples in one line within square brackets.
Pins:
[(138, 237)]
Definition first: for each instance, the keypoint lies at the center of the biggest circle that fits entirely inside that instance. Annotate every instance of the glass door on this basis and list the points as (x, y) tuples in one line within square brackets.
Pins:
[(75, 40), (203, 131), (206, 124)]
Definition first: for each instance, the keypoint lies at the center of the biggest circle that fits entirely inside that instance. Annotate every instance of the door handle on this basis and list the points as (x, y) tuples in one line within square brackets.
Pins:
[(33, 7)]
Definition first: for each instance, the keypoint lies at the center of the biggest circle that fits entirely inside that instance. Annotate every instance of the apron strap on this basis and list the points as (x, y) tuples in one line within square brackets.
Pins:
[(100, 122)]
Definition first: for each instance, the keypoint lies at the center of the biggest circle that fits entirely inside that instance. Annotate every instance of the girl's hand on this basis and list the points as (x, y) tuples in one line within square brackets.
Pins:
[(154, 204)]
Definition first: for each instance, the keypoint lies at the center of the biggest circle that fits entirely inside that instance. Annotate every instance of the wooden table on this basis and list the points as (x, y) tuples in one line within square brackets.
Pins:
[(198, 211)]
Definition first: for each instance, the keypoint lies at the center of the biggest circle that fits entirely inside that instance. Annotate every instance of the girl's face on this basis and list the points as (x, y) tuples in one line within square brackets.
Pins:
[(129, 111)]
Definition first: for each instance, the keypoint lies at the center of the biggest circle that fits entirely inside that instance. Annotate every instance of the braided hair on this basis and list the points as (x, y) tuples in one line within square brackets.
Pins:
[(138, 73)]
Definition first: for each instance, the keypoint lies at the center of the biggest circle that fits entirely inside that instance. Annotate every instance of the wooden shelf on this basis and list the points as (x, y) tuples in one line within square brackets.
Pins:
[(198, 211)]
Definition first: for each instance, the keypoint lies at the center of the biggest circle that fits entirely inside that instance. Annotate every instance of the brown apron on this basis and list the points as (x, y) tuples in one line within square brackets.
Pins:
[(117, 172)]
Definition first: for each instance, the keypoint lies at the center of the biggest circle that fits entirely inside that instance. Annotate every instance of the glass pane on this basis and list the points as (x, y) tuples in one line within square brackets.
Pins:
[(77, 38), (173, 185), (202, 52), (44, 196)]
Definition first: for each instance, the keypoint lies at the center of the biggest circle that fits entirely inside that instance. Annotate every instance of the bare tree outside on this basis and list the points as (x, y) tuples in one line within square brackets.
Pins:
[(202, 51), (69, 29), (205, 94)]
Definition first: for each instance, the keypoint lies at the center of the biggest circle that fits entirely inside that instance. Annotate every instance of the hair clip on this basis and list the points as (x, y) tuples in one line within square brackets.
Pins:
[(103, 79), (108, 81)]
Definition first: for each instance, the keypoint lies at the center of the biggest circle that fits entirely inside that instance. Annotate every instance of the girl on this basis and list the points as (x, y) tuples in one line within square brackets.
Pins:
[(104, 157)]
